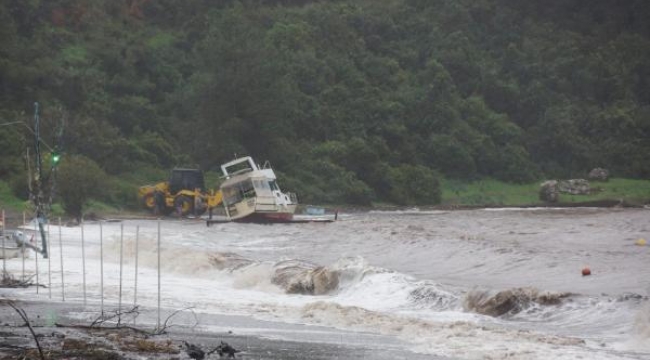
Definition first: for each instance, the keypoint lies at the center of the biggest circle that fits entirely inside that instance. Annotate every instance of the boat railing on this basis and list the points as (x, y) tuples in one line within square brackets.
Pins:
[(241, 171)]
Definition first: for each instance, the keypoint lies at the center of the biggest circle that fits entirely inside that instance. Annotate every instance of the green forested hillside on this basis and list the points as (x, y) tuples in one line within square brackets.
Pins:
[(352, 101)]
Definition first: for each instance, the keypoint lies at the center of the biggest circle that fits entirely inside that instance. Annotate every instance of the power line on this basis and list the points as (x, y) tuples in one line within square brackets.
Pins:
[(30, 130)]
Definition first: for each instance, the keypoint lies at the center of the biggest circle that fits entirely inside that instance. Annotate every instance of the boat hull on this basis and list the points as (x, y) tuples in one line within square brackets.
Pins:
[(266, 218), (12, 252)]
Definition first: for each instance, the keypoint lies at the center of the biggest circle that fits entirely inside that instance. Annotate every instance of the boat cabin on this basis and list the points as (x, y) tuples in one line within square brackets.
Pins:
[(253, 190)]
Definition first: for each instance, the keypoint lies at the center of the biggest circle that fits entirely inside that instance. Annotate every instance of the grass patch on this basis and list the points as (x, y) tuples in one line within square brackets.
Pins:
[(488, 192), (497, 193), (98, 207), (144, 176), (7, 198), (56, 211), (629, 190)]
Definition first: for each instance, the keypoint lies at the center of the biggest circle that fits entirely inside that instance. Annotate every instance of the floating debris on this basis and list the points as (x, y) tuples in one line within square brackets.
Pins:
[(225, 349), (193, 351)]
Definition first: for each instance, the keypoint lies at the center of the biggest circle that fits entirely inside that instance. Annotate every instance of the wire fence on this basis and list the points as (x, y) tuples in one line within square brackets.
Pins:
[(46, 273), (67, 276)]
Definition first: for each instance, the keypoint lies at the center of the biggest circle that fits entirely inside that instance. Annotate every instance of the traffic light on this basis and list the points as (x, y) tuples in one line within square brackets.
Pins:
[(56, 157)]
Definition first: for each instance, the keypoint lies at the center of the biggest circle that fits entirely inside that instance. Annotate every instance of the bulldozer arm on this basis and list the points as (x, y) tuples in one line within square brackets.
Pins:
[(214, 199)]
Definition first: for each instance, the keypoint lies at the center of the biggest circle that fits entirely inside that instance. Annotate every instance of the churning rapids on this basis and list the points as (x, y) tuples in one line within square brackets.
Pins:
[(499, 283)]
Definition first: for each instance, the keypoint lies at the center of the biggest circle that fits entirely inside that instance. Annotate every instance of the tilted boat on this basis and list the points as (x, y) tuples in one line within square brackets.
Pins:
[(13, 245), (251, 193)]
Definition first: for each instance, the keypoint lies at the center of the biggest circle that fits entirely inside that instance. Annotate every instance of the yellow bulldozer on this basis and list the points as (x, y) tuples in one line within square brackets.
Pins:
[(184, 194)]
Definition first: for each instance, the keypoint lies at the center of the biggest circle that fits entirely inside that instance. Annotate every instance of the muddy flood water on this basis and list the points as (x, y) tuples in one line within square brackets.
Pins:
[(497, 283)]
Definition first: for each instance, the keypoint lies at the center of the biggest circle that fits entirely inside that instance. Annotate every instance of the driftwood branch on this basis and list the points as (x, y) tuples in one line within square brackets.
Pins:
[(23, 315), (165, 326), (90, 327), (8, 281), (117, 315), (102, 319), (14, 347)]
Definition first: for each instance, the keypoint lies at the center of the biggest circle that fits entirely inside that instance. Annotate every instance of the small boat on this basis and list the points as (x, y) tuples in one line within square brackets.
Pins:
[(13, 245), (314, 211), (251, 193), (10, 252)]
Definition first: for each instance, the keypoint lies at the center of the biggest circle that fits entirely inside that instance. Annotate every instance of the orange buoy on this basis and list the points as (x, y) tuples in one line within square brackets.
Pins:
[(586, 271)]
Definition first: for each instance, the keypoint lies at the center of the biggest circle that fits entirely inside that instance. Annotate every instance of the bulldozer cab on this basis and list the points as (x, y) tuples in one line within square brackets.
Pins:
[(186, 179)]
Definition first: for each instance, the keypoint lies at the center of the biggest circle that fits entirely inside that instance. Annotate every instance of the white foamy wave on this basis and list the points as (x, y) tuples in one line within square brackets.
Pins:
[(173, 259), (428, 295), (351, 270), (455, 339), (641, 330), (255, 276), (384, 290), (637, 339), (229, 261)]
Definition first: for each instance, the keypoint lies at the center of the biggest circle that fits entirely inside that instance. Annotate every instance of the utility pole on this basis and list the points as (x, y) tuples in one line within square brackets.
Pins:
[(38, 198), (40, 180)]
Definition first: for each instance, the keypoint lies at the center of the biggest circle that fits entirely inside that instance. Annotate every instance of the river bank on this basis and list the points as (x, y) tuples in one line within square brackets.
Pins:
[(65, 331), (456, 195), (14, 218)]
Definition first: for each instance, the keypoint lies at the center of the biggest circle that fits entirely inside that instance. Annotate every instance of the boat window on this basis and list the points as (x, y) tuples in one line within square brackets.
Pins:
[(247, 189), (231, 194), (261, 186), (236, 192), (274, 185)]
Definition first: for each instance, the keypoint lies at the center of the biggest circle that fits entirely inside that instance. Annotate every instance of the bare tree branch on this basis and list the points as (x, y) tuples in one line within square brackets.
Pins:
[(165, 326), (8, 281), (118, 314), (23, 315)]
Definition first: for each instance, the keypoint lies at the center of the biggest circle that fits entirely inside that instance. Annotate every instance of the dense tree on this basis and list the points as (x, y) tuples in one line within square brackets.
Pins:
[(79, 180), (352, 100)]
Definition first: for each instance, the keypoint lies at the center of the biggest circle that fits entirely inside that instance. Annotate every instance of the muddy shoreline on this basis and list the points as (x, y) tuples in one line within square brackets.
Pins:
[(14, 218), (606, 203), (63, 335)]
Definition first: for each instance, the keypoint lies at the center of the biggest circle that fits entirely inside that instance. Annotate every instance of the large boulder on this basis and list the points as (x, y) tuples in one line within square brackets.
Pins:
[(511, 301), (549, 191), (301, 277), (574, 187), (599, 174)]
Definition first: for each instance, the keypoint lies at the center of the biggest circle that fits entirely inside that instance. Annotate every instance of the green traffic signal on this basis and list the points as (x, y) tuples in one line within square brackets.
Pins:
[(55, 158)]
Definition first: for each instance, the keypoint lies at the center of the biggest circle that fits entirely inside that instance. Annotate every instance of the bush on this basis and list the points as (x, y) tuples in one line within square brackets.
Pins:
[(122, 194), (414, 185), (79, 179), (322, 181)]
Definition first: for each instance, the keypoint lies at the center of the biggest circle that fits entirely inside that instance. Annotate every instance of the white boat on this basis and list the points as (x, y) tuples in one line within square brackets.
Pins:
[(251, 193), (13, 245), (10, 252)]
